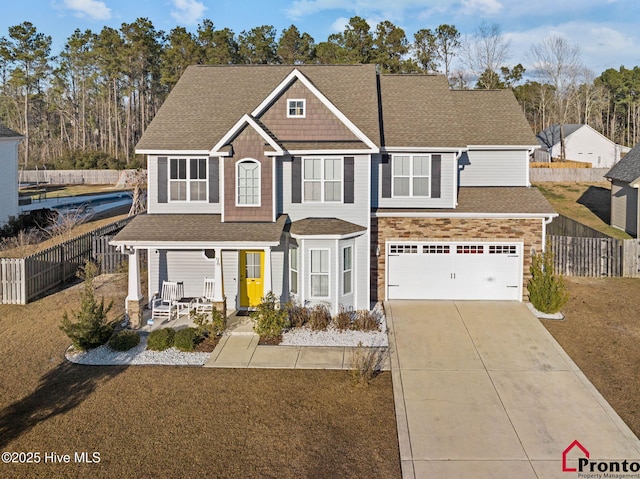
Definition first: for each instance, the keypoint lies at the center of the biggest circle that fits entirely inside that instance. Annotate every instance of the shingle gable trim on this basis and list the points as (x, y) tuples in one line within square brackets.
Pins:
[(297, 75), (241, 123)]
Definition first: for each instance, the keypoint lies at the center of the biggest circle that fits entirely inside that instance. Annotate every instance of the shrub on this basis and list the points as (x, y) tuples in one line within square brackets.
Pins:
[(209, 327), (366, 364), (319, 317), (186, 339), (91, 327), (161, 339), (270, 319), (342, 321), (546, 289), (124, 340), (298, 314), (366, 321)]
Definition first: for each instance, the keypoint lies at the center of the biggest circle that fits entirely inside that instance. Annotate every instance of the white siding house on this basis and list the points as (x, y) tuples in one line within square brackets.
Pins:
[(9, 140), (582, 143)]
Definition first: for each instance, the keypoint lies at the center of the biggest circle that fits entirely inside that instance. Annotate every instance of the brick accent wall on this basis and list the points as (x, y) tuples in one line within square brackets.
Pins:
[(248, 144), (529, 231)]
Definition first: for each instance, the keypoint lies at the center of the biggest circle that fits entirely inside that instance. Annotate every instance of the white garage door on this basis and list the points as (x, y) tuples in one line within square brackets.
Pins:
[(463, 270)]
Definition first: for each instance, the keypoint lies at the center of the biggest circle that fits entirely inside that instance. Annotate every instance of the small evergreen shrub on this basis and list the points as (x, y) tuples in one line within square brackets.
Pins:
[(90, 326), (365, 321), (160, 339), (546, 289), (124, 340), (186, 339), (319, 318), (269, 317), (209, 325)]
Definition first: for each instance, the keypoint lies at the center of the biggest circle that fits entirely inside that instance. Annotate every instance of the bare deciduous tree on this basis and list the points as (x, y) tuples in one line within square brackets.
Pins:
[(559, 64), (486, 50)]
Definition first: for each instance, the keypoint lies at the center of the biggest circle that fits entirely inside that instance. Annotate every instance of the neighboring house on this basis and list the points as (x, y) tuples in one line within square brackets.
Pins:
[(336, 185), (9, 140), (625, 201), (582, 143)]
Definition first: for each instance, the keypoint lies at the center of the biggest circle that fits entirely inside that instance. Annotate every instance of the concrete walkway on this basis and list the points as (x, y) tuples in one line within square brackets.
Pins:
[(240, 349), (482, 390)]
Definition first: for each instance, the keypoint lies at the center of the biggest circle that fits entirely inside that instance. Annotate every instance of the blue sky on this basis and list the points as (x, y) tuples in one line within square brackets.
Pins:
[(606, 30)]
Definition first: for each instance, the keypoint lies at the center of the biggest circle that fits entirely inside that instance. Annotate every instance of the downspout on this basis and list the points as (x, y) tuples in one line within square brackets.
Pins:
[(455, 177), (545, 222)]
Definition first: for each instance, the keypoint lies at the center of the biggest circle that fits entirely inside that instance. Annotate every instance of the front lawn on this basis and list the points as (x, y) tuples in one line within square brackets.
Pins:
[(587, 203), (150, 421), (601, 334)]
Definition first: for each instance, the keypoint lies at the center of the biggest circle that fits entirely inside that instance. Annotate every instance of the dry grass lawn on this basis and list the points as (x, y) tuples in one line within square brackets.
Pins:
[(587, 203), (601, 333), (151, 422)]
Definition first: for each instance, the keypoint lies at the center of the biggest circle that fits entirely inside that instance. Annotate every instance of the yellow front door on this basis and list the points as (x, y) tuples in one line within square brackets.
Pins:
[(251, 278)]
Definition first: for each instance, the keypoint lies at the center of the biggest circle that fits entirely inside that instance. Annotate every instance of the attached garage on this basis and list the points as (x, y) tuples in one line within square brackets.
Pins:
[(454, 270)]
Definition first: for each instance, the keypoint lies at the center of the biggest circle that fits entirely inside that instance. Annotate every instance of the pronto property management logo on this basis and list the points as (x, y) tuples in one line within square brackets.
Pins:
[(589, 469)]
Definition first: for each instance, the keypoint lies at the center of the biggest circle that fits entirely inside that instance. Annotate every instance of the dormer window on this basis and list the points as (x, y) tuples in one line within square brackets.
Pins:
[(296, 108)]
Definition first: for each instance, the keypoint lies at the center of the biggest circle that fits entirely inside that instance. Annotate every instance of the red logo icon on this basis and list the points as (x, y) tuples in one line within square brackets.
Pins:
[(573, 445)]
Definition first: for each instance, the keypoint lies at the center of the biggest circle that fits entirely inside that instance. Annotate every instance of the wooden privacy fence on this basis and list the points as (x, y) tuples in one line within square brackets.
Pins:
[(24, 279), (565, 226), (580, 256), (579, 175)]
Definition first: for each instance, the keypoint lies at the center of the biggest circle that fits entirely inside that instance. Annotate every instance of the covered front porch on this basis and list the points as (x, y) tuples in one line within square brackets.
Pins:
[(193, 250)]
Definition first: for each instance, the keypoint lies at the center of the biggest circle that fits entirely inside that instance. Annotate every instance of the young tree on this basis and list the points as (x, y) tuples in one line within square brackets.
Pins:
[(448, 44), (558, 63)]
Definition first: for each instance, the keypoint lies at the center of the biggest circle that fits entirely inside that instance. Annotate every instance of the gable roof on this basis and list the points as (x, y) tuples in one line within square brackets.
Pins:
[(628, 168), (550, 136), (208, 100), (388, 110), (8, 132)]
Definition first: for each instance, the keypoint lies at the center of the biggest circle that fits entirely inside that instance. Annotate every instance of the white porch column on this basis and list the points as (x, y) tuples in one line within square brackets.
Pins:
[(218, 294), (267, 270), (135, 292)]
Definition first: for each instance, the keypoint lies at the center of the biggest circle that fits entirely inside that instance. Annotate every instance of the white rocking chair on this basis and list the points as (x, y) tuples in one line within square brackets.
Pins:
[(205, 303), (164, 307)]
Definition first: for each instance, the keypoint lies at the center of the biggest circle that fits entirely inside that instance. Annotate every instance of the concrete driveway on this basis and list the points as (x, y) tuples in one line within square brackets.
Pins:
[(482, 390)]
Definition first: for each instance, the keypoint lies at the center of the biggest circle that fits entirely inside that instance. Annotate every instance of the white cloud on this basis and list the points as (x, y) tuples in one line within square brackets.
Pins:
[(188, 12), (93, 9), (481, 7)]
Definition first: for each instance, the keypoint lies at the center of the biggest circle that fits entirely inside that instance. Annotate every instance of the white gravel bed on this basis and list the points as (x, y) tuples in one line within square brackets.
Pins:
[(334, 337), (105, 356), (540, 315)]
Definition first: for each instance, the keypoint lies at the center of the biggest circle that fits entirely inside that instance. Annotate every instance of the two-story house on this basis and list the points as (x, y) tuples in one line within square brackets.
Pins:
[(336, 185)]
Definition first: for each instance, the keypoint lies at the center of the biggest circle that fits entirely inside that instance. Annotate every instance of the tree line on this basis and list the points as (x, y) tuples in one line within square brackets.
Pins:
[(88, 105)]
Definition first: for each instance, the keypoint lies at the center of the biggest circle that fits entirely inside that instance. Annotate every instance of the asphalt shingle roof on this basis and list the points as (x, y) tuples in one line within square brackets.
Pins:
[(550, 136), (492, 200), (8, 132), (197, 228), (628, 168), (324, 226), (403, 110)]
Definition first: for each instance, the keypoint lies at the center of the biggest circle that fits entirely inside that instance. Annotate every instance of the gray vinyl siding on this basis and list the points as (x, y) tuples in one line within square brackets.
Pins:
[(494, 168), (190, 267), (153, 206), (356, 212), (624, 207), (230, 271), (278, 285), (447, 187), (8, 180)]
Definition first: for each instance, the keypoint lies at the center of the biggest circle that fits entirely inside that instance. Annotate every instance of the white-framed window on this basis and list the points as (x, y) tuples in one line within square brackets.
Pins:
[(248, 183), (347, 270), (322, 179), (296, 108), (411, 175), (188, 179), (293, 269), (319, 273)]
